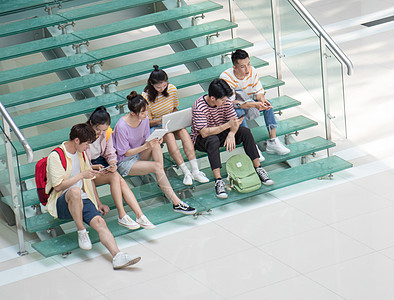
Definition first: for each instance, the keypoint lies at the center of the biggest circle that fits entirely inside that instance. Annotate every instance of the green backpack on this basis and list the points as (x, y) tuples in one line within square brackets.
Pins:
[(242, 175)]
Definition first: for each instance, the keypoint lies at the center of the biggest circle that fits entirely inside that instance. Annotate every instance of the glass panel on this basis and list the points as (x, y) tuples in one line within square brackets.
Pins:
[(5, 180), (260, 18), (336, 97), (301, 50)]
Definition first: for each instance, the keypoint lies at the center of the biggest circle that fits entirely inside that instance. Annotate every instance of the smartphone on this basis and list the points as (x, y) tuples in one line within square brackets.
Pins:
[(242, 116), (103, 169)]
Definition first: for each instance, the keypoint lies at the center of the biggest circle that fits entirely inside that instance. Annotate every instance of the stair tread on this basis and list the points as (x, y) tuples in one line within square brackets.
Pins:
[(77, 13), (67, 62), (298, 149), (139, 68), (202, 202), (88, 105), (107, 30)]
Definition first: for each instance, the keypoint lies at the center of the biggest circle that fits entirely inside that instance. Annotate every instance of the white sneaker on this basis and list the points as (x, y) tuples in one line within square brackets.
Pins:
[(84, 240), (128, 222), (200, 177), (261, 157), (188, 179), (145, 223), (274, 146), (122, 260)]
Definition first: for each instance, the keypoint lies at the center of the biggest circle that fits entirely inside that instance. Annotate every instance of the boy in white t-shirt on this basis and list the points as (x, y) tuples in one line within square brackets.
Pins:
[(243, 77), (74, 195)]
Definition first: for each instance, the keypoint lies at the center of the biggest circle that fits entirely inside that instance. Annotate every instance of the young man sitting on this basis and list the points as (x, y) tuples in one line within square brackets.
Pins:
[(215, 124), (243, 77), (74, 195)]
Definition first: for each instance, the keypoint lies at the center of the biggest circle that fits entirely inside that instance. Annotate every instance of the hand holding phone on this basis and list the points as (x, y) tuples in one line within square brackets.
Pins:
[(103, 169)]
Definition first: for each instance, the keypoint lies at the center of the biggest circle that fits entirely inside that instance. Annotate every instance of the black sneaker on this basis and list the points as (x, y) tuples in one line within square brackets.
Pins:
[(264, 176), (183, 208), (220, 189)]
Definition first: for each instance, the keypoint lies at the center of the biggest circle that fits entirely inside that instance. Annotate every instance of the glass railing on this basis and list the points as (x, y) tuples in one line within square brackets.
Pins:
[(307, 51), (10, 182), (10, 186)]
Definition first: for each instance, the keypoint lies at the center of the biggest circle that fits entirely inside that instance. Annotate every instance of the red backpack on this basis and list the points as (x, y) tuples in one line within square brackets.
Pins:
[(41, 175)]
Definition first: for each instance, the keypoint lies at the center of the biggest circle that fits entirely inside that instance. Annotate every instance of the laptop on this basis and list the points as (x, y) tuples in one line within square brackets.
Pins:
[(178, 119), (172, 122)]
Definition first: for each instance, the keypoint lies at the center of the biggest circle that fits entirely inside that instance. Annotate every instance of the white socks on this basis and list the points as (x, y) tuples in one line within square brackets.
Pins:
[(184, 169)]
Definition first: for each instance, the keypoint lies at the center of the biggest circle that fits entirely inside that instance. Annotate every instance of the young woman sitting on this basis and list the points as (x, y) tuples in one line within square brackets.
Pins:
[(163, 99), (135, 153), (102, 155)]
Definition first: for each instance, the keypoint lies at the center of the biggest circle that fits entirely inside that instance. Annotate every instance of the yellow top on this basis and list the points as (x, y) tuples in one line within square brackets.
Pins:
[(56, 174), (162, 105)]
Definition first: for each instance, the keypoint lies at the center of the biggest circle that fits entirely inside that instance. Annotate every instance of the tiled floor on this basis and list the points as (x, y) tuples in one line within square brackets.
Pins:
[(318, 240)]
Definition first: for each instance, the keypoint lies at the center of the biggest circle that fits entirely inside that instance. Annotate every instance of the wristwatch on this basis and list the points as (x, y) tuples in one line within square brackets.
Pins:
[(237, 105)]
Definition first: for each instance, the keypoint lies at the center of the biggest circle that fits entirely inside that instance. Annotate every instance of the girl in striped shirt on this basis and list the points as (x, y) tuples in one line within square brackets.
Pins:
[(163, 99)]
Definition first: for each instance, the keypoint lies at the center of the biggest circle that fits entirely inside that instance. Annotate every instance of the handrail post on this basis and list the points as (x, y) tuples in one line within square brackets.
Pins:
[(14, 193), (232, 16), (276, 36), (325, 94)]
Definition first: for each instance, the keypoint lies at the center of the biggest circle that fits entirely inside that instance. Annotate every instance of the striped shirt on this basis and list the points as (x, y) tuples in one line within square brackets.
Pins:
[(250, 84), (204, 115), (162, 105)]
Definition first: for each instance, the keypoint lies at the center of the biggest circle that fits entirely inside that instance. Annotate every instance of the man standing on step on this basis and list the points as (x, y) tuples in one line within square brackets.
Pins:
[(73, 194), (246, 85), (215, 124)]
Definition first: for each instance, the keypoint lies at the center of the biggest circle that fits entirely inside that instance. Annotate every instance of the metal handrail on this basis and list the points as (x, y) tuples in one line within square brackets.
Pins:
[(18, 133), (300, 8)]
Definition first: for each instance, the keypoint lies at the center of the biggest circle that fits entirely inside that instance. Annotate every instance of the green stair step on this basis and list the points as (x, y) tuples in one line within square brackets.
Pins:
[(298, 149), (77, 13), (282, 179), (54, 138), (124, 72), (27, 171), (108, 100), (107, 30), (11, 7), (203, 202), (113, 51), (143, 192)]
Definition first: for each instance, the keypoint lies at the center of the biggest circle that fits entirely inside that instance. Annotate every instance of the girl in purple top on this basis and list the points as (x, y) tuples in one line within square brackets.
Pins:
[(135, 154), (101, 154)]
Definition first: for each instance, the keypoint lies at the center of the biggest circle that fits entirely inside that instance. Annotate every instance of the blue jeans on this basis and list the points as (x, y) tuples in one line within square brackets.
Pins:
[(269, 118)]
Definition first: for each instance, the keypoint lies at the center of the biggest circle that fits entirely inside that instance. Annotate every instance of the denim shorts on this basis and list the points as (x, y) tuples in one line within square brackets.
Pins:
[(89, 210), (125, 165)]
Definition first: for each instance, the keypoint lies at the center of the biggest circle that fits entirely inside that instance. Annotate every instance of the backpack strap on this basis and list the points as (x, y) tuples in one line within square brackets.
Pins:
[(62, 156)]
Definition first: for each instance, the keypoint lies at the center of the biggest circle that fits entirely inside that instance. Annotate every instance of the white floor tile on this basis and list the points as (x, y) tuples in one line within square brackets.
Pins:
[(98, 272), (365, 278), (198, 245), (238, 273), (315, 249), (339, 202), (270, 223), (375, 229), (298, 288), (178, 285)]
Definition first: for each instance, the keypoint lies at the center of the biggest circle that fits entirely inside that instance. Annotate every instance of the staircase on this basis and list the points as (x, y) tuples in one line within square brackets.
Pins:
[(200, 195)]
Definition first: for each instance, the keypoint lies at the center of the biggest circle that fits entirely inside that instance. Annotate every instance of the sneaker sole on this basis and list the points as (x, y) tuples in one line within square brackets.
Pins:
[(148, 227), (129, 227), (222, 197), (185, 212), (85, 248), (129, 263), (274, 152), (268, 182)]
